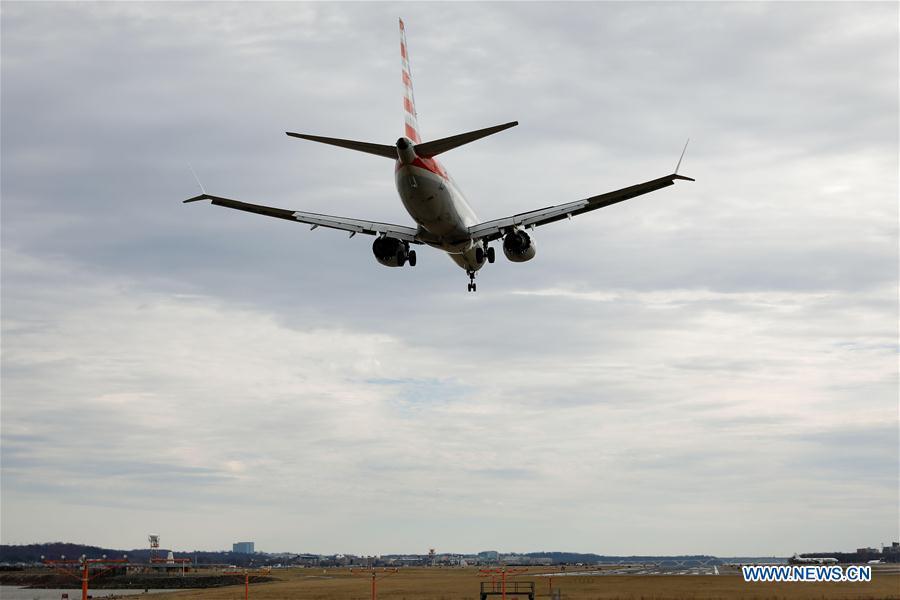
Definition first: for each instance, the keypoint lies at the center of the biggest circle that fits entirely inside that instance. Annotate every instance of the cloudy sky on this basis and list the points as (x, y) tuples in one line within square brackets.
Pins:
[(711, 368)]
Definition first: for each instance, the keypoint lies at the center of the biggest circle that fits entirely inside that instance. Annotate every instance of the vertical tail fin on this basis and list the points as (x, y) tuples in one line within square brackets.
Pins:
[(409, 100)]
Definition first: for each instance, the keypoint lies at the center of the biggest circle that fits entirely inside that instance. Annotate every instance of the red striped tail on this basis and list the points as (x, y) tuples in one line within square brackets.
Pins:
[(409, 100)]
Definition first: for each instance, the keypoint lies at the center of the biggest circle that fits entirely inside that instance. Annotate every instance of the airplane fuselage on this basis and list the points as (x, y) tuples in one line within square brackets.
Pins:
[(437, 205)]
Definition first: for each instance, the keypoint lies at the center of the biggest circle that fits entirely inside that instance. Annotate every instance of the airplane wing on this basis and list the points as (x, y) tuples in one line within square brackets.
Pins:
[(492, 230), (354, 226)]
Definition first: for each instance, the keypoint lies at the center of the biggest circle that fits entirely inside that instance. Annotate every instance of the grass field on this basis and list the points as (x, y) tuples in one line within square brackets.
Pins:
[(463, 584)]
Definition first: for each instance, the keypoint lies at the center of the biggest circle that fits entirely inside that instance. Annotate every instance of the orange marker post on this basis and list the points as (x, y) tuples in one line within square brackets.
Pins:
[(247, 575)]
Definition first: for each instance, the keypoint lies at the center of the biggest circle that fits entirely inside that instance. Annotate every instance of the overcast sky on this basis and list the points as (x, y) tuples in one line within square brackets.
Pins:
[(711, 368)]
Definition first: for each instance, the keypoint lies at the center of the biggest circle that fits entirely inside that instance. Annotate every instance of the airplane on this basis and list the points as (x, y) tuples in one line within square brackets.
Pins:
[(814, 560), (444, 219)]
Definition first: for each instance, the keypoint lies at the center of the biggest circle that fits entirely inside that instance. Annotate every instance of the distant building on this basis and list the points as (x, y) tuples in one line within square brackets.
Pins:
[(243, 548), (489, 555), (520, 559)]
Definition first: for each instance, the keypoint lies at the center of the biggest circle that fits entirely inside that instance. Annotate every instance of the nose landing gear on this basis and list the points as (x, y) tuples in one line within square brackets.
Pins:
[(472, 287)]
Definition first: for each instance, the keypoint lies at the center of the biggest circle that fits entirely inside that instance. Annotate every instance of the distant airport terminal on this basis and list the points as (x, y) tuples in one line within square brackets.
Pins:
[(54, 571)]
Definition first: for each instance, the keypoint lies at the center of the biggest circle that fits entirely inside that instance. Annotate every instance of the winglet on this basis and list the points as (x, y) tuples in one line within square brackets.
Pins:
[(197, 179), (203, 195), (682, 155)]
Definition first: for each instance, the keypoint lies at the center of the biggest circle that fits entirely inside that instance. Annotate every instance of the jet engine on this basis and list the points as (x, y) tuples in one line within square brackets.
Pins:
[(392, 252), (518, 246)]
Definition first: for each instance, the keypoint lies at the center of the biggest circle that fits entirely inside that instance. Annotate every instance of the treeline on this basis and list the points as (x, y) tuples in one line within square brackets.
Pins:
[(32, 553)]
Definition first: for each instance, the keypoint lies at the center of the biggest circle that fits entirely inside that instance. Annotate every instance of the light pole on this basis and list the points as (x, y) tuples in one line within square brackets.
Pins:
[(375, 577), (502, 571), (85, 564)]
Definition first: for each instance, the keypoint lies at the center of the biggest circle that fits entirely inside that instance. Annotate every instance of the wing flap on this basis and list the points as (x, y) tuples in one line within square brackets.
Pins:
[(495, 229), (402, 232)]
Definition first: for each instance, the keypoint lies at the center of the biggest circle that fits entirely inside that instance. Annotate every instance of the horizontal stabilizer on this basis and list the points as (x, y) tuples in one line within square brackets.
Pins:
[(429, 149), (368, 147)]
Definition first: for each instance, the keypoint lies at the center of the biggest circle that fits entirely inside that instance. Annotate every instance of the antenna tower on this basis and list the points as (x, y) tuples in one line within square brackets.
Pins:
[(154, 546)]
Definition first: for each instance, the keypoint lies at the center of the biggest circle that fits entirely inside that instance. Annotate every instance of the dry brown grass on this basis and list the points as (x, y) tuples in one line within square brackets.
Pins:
[(463, 584)]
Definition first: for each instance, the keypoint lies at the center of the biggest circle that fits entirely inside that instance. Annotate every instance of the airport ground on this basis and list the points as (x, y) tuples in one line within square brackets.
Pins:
[(463, 584)]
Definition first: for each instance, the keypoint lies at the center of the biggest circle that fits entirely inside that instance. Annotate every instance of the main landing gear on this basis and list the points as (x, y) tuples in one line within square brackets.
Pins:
[(404, 255), (481, 254)]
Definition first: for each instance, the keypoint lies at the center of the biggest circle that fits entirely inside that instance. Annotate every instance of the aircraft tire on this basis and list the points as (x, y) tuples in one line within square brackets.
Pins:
[(412, 258), (490, 255)]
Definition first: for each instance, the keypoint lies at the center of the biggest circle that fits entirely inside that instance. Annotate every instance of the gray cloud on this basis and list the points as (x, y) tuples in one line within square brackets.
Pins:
[(708, 369)]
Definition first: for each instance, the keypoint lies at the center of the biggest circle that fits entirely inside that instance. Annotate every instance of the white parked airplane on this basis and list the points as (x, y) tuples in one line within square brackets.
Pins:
[(444, 219), (813, 560)]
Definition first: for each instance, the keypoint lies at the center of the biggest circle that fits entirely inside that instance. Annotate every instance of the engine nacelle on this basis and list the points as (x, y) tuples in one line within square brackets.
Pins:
[(390, 252), (518, 246)]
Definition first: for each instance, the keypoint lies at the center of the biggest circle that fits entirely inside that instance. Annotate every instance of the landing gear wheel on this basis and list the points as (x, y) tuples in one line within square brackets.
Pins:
[(470, 287), (401, 258), (479, 255), (412, 258), (490, 255), (474, 287)]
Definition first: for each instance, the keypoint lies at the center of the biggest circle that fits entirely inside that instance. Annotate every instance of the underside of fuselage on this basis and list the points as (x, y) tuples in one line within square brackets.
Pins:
[(440, 210)]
